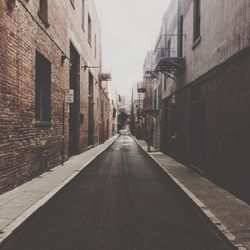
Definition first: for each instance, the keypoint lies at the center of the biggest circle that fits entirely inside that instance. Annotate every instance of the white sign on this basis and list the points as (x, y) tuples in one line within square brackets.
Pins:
[(69, 96)]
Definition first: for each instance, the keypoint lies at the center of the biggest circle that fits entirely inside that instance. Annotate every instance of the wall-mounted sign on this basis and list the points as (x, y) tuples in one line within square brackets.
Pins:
[(69, 96)]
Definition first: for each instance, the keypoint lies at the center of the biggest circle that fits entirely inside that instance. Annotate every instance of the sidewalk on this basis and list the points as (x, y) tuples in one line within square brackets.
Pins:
[(229, 215), (18, 204)]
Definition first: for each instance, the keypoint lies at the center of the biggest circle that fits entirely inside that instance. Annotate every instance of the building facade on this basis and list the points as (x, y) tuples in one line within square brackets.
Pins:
[(202, 65), (47, 48), (137, 110), (151, 102)]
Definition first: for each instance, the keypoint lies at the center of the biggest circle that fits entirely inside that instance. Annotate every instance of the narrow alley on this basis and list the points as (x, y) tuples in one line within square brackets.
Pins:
[(124, 125), (122, 200)]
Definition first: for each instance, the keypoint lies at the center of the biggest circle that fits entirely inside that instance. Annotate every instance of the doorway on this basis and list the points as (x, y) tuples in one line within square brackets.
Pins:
[(107, 133), (197, 129), (91, 111), (74, 108)]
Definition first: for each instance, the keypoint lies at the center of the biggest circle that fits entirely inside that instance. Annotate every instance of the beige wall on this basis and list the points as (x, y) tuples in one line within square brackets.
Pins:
[(225, 26)]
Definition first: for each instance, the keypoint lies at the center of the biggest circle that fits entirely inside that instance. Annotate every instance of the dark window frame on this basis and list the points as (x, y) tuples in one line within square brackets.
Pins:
[(165, 82), (43, 12), (89, 30), (169, 48), (196, 23), (43, 80), (83, 14), (95, 46), (180, 37)]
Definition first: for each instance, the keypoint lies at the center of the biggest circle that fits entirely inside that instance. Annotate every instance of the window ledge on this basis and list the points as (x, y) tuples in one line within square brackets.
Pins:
[(196, 42), (42, 124), (46, 23)]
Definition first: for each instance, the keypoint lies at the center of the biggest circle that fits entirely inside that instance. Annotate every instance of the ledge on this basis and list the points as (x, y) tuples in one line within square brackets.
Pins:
[(42, 124)]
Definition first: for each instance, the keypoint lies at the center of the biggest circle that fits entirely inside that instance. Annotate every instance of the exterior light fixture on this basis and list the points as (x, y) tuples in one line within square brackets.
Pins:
[(88, 67), (63, 59)]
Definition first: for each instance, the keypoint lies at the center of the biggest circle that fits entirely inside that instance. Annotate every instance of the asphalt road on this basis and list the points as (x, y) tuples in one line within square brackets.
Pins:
[(122, 201)]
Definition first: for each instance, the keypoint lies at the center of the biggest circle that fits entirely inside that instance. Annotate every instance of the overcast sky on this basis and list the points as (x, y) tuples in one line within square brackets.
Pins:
[(129, 30)]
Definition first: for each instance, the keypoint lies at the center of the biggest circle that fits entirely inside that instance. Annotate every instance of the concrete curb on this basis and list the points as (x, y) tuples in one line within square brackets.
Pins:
[(219, 226), (14, 225)]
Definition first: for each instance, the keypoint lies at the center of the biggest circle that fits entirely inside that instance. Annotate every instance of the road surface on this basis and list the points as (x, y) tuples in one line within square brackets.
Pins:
[(122, 201)]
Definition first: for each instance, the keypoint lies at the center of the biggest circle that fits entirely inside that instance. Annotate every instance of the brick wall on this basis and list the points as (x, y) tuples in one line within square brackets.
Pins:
[(27, 149)]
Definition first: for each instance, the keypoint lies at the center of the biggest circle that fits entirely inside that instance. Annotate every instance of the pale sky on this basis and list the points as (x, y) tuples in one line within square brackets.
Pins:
[(129, 30)]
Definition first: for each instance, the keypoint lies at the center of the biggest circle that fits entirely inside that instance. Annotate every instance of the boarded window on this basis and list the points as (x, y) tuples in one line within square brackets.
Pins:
[(43, 88)]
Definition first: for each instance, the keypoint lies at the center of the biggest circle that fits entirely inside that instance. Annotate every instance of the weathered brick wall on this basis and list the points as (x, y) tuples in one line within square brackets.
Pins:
[(78, 35), (27, 150)]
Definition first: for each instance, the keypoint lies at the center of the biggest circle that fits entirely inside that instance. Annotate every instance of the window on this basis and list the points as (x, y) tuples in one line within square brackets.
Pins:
[(165, 82), (180, 38), (155, 99), (169, 48), (43, 88), (73, 3), (95, 47), (89, 30), (197, 21), (83, 11), (43, 11), (102, 109)]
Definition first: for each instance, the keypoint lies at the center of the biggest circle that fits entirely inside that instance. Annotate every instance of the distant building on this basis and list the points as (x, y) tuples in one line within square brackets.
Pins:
[(150, 102), (137, 110)]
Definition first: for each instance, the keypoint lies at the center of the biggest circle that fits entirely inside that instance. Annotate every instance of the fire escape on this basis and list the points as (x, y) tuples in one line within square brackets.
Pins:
[(105, 77), (151, 76), (141, 89), (165, 63)]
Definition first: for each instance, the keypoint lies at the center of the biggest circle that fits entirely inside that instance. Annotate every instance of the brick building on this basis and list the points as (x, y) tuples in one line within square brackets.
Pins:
[(46, 48), (202, 63), (151, 101), (137, 107)]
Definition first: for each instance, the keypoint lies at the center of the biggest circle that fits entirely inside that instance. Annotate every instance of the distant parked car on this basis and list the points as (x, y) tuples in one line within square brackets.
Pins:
[(123, 132)]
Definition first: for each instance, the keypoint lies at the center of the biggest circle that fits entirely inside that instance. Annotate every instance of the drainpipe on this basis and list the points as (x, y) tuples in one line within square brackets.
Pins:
[(179, 28)]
